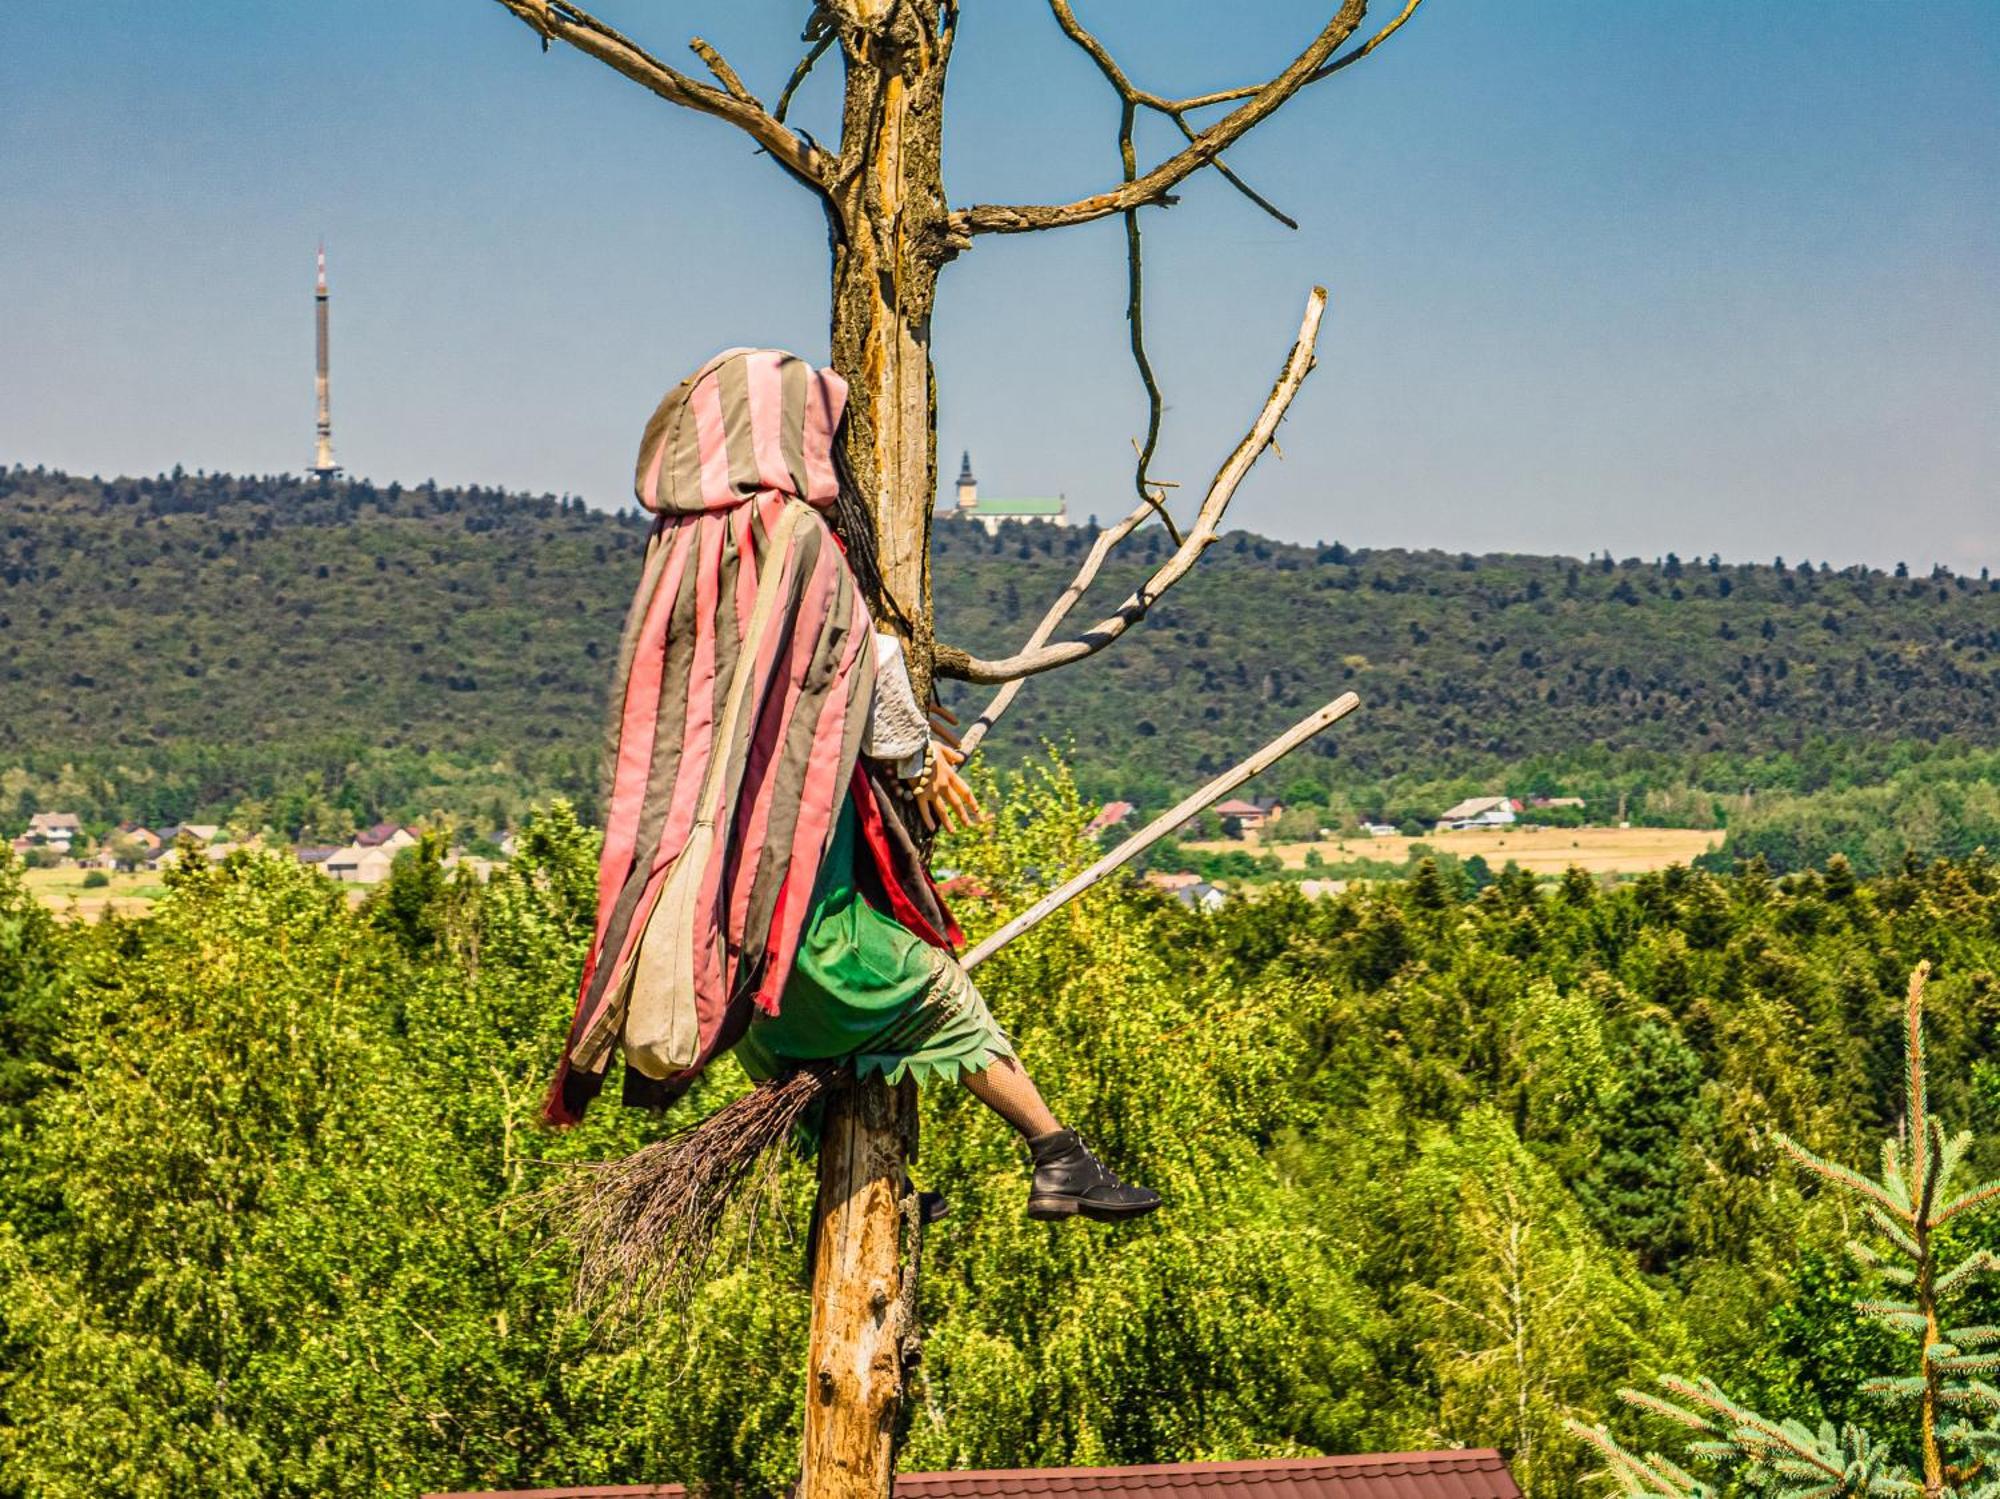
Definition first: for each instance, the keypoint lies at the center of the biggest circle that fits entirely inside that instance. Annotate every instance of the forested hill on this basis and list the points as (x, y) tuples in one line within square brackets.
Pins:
[(238, 621)]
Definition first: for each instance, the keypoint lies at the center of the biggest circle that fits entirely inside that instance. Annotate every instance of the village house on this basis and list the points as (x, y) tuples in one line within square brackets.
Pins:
[(993, 514), (1250, 817), (359, 864), (1202, 896), (162, 854), (1109, 816), (478, 866), (389, 835), (168, 854), (1477, 812), (58, 832), (201, 832), (130, 846)]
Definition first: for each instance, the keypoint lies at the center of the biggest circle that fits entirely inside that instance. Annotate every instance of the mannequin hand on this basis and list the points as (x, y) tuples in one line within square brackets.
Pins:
[(949, 803)]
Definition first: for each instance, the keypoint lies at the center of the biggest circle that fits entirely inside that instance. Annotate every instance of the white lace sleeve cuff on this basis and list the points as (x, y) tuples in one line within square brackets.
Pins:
[(897, 728)]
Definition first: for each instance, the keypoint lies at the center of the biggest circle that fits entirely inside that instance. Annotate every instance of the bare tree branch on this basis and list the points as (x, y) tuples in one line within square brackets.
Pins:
[(955, 663), (561, 21), (1201, 151), (1135, 97), (1135, 317), (724, 74), (1131, 99), (1345, 60), (813, 55), (1058, 612), (1224, 171)]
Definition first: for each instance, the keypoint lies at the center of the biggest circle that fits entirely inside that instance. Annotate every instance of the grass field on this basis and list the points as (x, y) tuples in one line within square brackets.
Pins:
[(61, 890), (1542, 851)]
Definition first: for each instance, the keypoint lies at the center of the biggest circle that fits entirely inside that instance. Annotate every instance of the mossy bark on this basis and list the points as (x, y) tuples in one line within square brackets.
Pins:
[(891, 236)]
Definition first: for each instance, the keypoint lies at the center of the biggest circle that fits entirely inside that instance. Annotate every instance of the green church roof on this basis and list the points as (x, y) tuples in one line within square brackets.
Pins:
[(1018, 507)]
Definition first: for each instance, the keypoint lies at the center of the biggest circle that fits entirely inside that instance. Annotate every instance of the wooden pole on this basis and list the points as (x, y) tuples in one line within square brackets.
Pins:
[(865, 1249)]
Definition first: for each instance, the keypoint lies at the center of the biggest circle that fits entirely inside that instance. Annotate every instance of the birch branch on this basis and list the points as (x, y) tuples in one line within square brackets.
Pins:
[(1058, 611), (1164, 824), (957, 664), (558, 20)]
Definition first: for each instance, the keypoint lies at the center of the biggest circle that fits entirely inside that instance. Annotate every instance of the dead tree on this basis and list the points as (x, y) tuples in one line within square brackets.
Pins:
[(892, 230)]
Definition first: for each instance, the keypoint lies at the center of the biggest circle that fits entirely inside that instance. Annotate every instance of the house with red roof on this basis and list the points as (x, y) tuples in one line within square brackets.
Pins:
[(1110, 815), (1466, 1473), (1248, 816)]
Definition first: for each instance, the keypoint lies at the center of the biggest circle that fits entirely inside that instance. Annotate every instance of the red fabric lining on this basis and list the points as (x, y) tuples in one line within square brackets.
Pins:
[(901, 906)]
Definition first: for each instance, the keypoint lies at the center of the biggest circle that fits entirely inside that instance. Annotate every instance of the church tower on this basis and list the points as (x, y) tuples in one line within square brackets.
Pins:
[(968, 487), (322, 463)]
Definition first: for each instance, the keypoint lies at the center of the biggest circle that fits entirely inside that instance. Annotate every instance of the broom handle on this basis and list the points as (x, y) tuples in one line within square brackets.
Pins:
[(1164, 824)]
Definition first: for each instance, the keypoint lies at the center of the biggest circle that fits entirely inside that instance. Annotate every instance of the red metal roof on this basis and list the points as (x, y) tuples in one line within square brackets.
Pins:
[(1470, 1473)]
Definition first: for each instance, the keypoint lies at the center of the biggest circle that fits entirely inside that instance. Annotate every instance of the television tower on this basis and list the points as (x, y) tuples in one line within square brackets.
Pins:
[(322, 463)]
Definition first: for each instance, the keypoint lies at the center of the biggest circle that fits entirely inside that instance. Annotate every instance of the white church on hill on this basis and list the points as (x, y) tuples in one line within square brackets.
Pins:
[(992, 514)]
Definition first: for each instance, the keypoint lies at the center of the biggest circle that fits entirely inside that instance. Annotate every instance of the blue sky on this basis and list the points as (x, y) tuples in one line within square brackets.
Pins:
[(1646, 276)]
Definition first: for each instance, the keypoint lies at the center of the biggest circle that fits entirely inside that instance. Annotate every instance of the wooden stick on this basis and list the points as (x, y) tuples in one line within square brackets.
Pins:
[(1164, 824)]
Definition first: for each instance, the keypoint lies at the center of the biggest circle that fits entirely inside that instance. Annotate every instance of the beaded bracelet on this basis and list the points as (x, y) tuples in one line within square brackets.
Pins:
[(921, 784)]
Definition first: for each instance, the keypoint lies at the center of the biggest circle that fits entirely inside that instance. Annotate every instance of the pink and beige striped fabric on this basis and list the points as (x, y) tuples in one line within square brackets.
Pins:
[(718, 897)]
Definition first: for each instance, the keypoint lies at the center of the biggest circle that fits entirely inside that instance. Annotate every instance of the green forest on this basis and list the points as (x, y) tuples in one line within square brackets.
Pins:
[(1441, 1166), (297, 654)]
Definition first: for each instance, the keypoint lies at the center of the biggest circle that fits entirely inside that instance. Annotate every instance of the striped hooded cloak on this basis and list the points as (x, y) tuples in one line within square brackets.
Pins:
[(745, 674)]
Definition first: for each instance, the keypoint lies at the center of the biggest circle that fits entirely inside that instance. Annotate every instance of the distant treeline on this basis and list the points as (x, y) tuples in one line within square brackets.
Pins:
[(173, 647)]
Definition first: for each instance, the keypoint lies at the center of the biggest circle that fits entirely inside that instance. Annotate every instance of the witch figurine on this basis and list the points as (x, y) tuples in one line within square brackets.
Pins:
[(759, 891)]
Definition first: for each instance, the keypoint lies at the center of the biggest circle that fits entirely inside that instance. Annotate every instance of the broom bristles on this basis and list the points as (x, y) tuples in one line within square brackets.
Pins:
[(645, 1224)]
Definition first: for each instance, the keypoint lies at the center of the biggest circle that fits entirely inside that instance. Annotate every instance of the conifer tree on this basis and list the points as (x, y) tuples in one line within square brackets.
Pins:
[(1635, 1192), (1955, 1409)]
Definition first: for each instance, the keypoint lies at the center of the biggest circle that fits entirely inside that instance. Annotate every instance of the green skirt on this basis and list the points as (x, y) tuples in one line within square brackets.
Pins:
[(867, 990)]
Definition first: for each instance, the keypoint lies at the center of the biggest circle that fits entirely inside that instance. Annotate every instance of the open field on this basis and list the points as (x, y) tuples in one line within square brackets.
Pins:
[(1542, 851), (61, 890)]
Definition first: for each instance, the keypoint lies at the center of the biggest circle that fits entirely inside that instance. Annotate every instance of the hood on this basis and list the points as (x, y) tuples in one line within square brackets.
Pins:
[(749, 422)]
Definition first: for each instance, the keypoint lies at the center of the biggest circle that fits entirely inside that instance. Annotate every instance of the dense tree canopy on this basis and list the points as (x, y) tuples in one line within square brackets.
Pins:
[(1440, 1166)]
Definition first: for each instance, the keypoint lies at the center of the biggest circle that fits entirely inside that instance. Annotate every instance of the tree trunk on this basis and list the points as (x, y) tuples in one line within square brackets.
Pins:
[(889, 240), (864, 1292)]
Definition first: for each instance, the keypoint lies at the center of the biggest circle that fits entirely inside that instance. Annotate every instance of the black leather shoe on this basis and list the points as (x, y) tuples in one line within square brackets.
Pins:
[(1070, 1180)]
